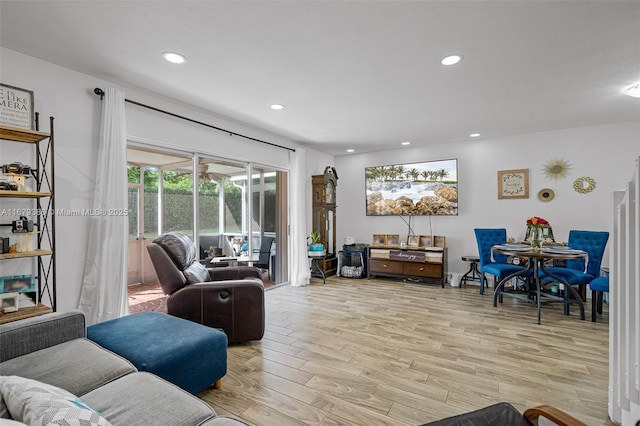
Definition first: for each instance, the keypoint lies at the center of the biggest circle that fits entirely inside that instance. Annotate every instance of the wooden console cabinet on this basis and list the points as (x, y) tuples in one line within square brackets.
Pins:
[(429, 263)]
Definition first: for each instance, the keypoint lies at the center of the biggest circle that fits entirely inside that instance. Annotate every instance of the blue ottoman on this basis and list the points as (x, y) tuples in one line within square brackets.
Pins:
[(182, 352)]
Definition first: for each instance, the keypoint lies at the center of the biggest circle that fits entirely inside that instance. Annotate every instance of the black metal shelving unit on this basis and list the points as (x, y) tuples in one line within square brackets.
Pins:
[(44, 200)]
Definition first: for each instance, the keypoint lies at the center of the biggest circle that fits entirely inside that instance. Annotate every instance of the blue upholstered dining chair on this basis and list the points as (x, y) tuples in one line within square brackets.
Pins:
[(499, 268), (598, 287), (594, 243)]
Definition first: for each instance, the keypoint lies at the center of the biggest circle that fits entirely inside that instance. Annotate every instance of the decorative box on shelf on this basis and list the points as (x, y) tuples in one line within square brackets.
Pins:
[(17, 283)]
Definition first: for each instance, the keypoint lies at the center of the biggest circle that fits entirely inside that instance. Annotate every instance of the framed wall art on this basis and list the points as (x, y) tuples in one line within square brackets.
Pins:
[(513, 184), (16, 107)]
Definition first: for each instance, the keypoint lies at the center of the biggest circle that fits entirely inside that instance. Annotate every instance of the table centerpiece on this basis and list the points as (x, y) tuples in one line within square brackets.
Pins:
[(534, 231)]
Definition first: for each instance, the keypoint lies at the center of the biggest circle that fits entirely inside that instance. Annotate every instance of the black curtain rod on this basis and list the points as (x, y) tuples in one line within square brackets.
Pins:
[(100, 93)]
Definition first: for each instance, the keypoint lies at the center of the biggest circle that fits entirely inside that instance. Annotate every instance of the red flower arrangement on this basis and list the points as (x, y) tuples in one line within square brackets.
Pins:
[(534, 234), (536, 221)]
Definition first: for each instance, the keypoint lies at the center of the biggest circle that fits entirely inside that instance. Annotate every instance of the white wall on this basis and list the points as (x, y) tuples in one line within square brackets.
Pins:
[(68, 96), (605, 153)]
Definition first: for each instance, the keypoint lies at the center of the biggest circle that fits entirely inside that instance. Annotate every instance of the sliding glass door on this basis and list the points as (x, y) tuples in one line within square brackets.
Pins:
[(157, 203), (235, 209), (222, 206), (268, 233)]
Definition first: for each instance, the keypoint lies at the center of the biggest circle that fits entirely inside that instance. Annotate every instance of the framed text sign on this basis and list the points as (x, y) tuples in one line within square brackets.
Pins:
[(16, 107), (513, 183)]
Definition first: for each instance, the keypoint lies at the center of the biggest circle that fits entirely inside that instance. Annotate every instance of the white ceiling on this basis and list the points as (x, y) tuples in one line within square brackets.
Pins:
[(355, 74)]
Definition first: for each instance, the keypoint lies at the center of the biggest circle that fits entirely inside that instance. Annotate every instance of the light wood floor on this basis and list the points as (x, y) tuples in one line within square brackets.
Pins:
[(386, 352)]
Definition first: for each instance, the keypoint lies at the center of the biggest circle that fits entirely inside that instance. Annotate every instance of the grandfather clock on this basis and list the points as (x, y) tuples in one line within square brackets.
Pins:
[(324, 216)]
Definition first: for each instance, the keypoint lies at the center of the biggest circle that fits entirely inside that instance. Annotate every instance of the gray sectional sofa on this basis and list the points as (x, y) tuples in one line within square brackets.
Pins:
[(53, 350)]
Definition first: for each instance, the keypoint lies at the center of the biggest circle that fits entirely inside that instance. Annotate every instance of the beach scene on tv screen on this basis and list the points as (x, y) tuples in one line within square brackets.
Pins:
[(413, 189)]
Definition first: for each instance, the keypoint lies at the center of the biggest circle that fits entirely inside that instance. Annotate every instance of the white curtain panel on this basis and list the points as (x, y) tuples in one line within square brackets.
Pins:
[(104, 289), (300, 273)]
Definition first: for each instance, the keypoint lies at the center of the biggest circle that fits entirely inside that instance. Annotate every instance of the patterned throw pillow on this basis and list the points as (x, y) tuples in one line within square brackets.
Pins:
[(4, 413), (33, 402), (196, 273)]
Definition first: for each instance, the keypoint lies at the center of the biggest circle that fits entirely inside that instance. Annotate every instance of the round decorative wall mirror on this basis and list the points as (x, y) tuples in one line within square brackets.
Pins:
[(546, 194), (584, 185)]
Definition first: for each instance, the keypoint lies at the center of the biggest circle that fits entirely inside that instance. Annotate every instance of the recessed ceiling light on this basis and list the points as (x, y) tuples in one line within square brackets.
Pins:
[(277, 106), (474, 135), (633, 90), (174, 57), (350, 150), (451, 60), (405, 143)]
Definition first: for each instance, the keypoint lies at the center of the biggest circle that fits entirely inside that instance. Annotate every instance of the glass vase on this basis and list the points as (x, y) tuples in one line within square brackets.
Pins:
[(536, 237)]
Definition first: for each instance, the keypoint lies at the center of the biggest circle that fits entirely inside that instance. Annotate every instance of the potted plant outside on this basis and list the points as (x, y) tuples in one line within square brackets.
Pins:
[(215, 251)]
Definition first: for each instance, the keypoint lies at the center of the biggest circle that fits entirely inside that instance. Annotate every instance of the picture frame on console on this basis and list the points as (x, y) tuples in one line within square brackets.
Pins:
[(9, 302), (379, 240), (413, 240), (426, 241), (393, 239), (439, 241)]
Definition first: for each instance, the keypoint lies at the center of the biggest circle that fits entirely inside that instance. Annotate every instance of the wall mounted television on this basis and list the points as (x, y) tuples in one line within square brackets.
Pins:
[(428, 188)]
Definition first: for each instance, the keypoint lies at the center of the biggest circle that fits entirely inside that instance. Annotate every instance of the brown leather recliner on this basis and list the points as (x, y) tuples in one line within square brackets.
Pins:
[(228, 298)]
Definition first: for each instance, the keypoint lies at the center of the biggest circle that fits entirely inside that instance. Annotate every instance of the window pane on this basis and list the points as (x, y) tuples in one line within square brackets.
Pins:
[(208, 193), (133, 173), (177, 198), (231, 179), (264, 201), (233, 204), (150, 202), (133, 211)]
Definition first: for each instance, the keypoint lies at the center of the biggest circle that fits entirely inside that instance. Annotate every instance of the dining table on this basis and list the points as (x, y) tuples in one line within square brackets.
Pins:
[(537, 257)]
